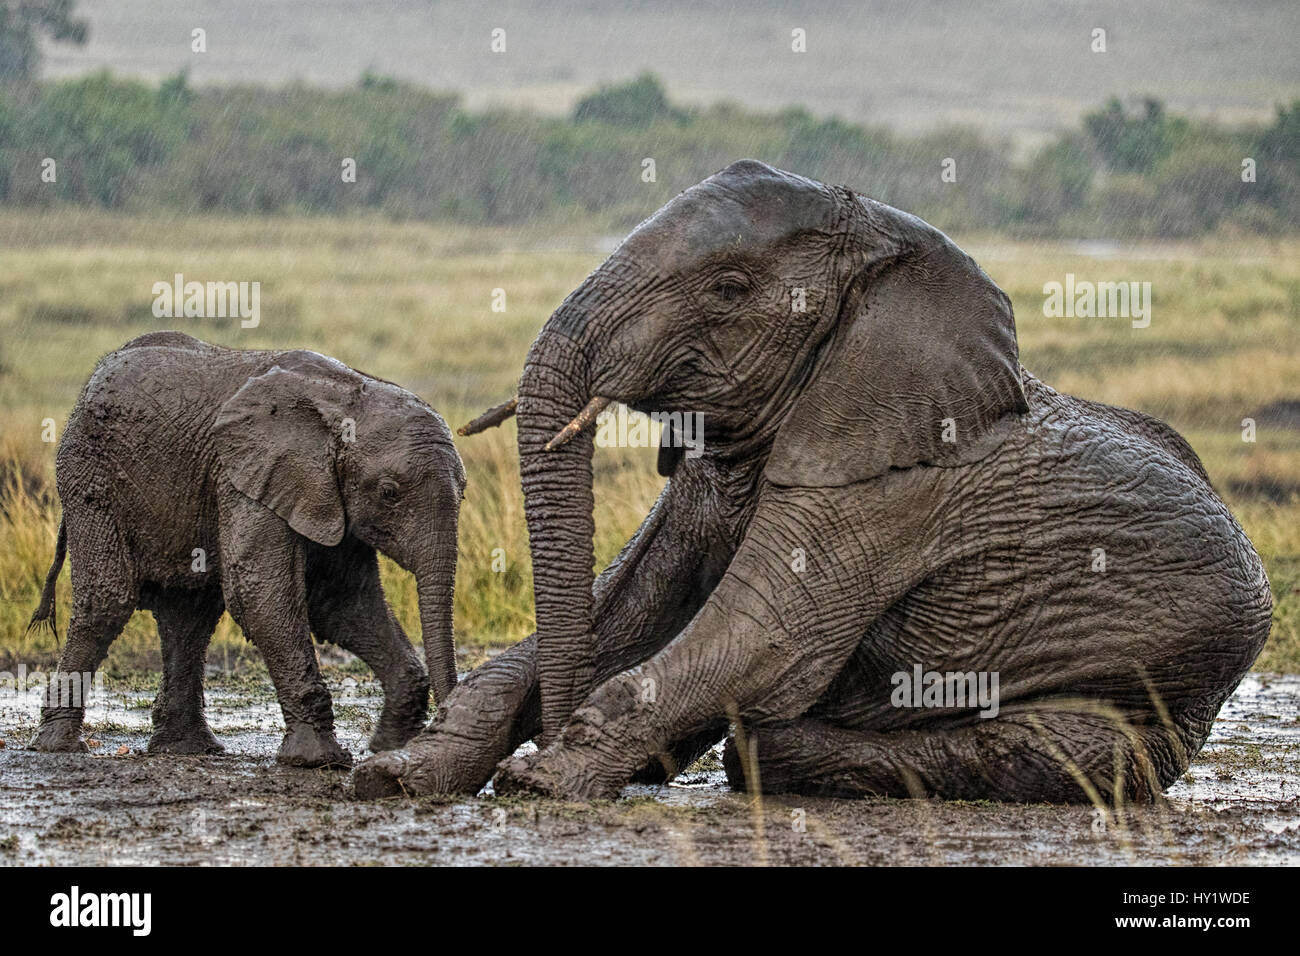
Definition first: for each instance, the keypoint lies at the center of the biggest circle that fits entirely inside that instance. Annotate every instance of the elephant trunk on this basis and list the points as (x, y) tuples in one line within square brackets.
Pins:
[(435, 586), (558, 505)]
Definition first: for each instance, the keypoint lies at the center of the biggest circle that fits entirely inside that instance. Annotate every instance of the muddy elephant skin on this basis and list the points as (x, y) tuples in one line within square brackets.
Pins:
[(884, 494), (196, 479)]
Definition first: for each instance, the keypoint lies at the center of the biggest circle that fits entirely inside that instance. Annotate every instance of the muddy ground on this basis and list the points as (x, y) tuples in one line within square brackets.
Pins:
[(1238, 804)]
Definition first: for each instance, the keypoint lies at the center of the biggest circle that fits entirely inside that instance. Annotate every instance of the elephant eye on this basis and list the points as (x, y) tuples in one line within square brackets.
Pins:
[(388, 490), (730, 289)]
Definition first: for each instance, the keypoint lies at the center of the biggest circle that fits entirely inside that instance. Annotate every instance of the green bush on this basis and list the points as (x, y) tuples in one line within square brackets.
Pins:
[(639, 103), (106, 135), (1134, 143)]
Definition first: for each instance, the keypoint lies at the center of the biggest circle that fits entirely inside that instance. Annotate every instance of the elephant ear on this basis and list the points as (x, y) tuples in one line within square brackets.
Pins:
[(275, 445), (922, 369)]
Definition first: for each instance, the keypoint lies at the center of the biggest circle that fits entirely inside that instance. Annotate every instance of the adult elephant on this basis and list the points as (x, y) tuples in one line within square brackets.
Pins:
[(884, 492)]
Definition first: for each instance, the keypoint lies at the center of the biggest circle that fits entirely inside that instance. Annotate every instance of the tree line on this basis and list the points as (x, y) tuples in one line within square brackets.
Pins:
[(1130, 169)]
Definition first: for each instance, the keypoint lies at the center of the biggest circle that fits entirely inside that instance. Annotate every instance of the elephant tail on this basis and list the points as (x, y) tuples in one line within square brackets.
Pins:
[(44, 614)]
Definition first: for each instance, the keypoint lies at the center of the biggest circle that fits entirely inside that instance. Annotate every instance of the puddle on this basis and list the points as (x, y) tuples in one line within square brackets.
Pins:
[(1238, 804)]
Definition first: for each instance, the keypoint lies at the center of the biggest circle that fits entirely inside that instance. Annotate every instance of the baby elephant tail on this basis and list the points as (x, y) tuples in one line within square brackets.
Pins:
[(44, 615)]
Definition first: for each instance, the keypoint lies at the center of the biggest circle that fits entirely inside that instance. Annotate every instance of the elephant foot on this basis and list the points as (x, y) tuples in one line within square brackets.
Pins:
[(551, 773), (59, 735), (390, 735), (381, 775), (305, 746), (431, 763), (405, 713), (194, 740)]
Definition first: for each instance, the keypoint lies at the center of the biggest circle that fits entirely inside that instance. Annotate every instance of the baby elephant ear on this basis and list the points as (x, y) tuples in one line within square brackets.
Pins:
[(922, 368), (275, 446)]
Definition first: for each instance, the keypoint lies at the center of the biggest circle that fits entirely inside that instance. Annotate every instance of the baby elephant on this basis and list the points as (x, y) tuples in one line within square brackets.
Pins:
[(196, 478)]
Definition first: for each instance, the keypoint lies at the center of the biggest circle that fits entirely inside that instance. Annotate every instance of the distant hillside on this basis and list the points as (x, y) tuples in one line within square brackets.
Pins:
[(1016, 68)]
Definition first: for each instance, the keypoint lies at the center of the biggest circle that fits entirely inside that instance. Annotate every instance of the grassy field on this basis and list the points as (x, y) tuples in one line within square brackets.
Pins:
[(412, 303)]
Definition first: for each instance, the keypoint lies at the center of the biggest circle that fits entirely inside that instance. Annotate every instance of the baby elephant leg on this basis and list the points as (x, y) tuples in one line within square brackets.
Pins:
[(1048, 755), (264, 586), (103, 599), (64, 708), (346, 607), (185, 623)]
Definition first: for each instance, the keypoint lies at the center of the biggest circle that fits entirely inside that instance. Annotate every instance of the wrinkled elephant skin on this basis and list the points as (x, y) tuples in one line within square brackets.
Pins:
[(196, 479), (884, 493)]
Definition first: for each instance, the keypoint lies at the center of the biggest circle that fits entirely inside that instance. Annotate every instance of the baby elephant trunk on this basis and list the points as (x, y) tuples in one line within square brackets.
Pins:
[(436, 585)]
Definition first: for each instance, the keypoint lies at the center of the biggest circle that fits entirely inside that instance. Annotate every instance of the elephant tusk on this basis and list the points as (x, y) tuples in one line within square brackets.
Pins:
[(490, 419), (580, 421)]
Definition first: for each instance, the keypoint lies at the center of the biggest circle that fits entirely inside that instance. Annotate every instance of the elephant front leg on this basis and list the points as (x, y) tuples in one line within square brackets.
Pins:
[(285, 645), (743, 657), (489, 714), (185, 623), (346, 606), (265, 590), (766, 644), (642, 601)]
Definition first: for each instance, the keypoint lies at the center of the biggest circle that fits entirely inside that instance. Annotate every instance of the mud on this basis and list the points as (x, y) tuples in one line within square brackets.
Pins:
[(1238, 804)]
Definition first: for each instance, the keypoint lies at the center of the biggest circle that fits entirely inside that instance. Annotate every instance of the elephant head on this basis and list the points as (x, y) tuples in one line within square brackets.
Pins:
[(834, 335), (333, 452)]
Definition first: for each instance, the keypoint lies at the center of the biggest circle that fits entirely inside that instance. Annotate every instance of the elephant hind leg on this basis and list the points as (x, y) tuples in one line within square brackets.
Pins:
[(68, 692), (186, 620), (104, 595), (1049, 755)]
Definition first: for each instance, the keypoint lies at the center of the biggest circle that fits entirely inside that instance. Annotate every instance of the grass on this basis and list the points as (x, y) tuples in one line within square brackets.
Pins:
[(412, 303)]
